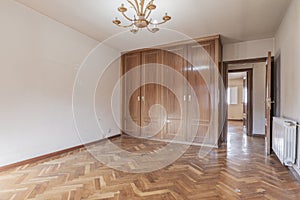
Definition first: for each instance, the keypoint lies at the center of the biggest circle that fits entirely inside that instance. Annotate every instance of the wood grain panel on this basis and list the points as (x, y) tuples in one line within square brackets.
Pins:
[(131, 101), (174, 58), (182, 119), (268, 103), (151, 94), (200, 79)]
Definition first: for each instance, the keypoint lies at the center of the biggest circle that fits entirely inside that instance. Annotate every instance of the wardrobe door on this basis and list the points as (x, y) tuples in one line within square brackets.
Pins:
[(175, 122), (151, 95), (199, 77), (131, 101)]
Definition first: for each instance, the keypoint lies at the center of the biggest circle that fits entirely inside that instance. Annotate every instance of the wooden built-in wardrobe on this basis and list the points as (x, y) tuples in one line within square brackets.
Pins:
[(176, 119)]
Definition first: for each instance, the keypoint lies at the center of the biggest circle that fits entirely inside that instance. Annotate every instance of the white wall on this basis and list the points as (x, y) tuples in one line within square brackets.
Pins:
[(108, 106), (248, 49), (39, 61), (288, 43), (259, 81), (235, 112)]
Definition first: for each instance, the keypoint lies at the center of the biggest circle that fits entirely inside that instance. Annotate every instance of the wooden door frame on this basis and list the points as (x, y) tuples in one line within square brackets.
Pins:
[(268, 105), (225, 81)]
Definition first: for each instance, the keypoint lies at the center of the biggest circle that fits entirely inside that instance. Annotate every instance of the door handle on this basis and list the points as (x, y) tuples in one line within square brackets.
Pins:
[(139, 98), (143, 98), (269, 102), (184, 98), (190, 98)]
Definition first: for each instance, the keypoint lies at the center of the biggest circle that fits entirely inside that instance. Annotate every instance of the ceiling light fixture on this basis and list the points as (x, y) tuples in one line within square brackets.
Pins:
[(141, 17)]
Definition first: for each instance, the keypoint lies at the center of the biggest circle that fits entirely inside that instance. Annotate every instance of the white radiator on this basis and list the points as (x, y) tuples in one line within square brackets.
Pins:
[(284, 140)]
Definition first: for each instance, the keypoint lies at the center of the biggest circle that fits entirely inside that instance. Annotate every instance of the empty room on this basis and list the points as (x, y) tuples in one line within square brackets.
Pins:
[(149, 99)]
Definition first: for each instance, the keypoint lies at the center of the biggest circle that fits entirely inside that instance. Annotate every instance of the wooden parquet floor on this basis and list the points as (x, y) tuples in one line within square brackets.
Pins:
[(239, 170)]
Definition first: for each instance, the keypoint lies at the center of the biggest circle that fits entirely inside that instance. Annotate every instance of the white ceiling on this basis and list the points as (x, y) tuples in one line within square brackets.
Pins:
[(235, 20), (237, 75)]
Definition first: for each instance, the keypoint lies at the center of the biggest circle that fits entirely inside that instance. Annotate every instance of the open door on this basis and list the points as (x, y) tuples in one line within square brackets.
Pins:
[(249, 102), (245, 104), (268, 104)]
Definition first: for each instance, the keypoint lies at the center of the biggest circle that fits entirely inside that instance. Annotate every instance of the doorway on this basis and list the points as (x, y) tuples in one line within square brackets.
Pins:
[(267, 90), (248, 112), (238, 100)]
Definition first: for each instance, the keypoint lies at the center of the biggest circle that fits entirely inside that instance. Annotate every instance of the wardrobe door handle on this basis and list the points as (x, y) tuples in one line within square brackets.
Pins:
[(190, 97), (139, 98), (184, 98), (143, 98)]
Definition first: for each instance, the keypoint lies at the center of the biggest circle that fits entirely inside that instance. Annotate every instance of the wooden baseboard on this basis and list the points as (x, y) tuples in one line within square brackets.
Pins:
[(235, 120), (258, 135), (167, 141), (50, 155), (297, 170)]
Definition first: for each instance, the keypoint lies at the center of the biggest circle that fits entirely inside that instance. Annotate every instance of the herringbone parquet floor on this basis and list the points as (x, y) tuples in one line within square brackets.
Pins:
[(239, 170)]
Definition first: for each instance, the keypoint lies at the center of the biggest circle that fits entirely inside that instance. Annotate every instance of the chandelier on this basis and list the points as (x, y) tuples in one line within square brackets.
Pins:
[(141, 18)]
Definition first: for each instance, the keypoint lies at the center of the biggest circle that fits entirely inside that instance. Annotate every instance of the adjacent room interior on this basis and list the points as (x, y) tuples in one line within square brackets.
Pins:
[(246, 97), (237, 100)]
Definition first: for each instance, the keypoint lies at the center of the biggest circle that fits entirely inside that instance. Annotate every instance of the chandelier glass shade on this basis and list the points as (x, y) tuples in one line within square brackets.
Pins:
[(141, 17)]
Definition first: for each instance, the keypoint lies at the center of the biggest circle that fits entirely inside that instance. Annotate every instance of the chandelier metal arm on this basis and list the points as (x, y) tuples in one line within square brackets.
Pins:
[(128, 18), (148, 14), (158, 23), (138, 6), (142, 7), (126, 26), (135, 8), (149, 30), (151, 2)]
